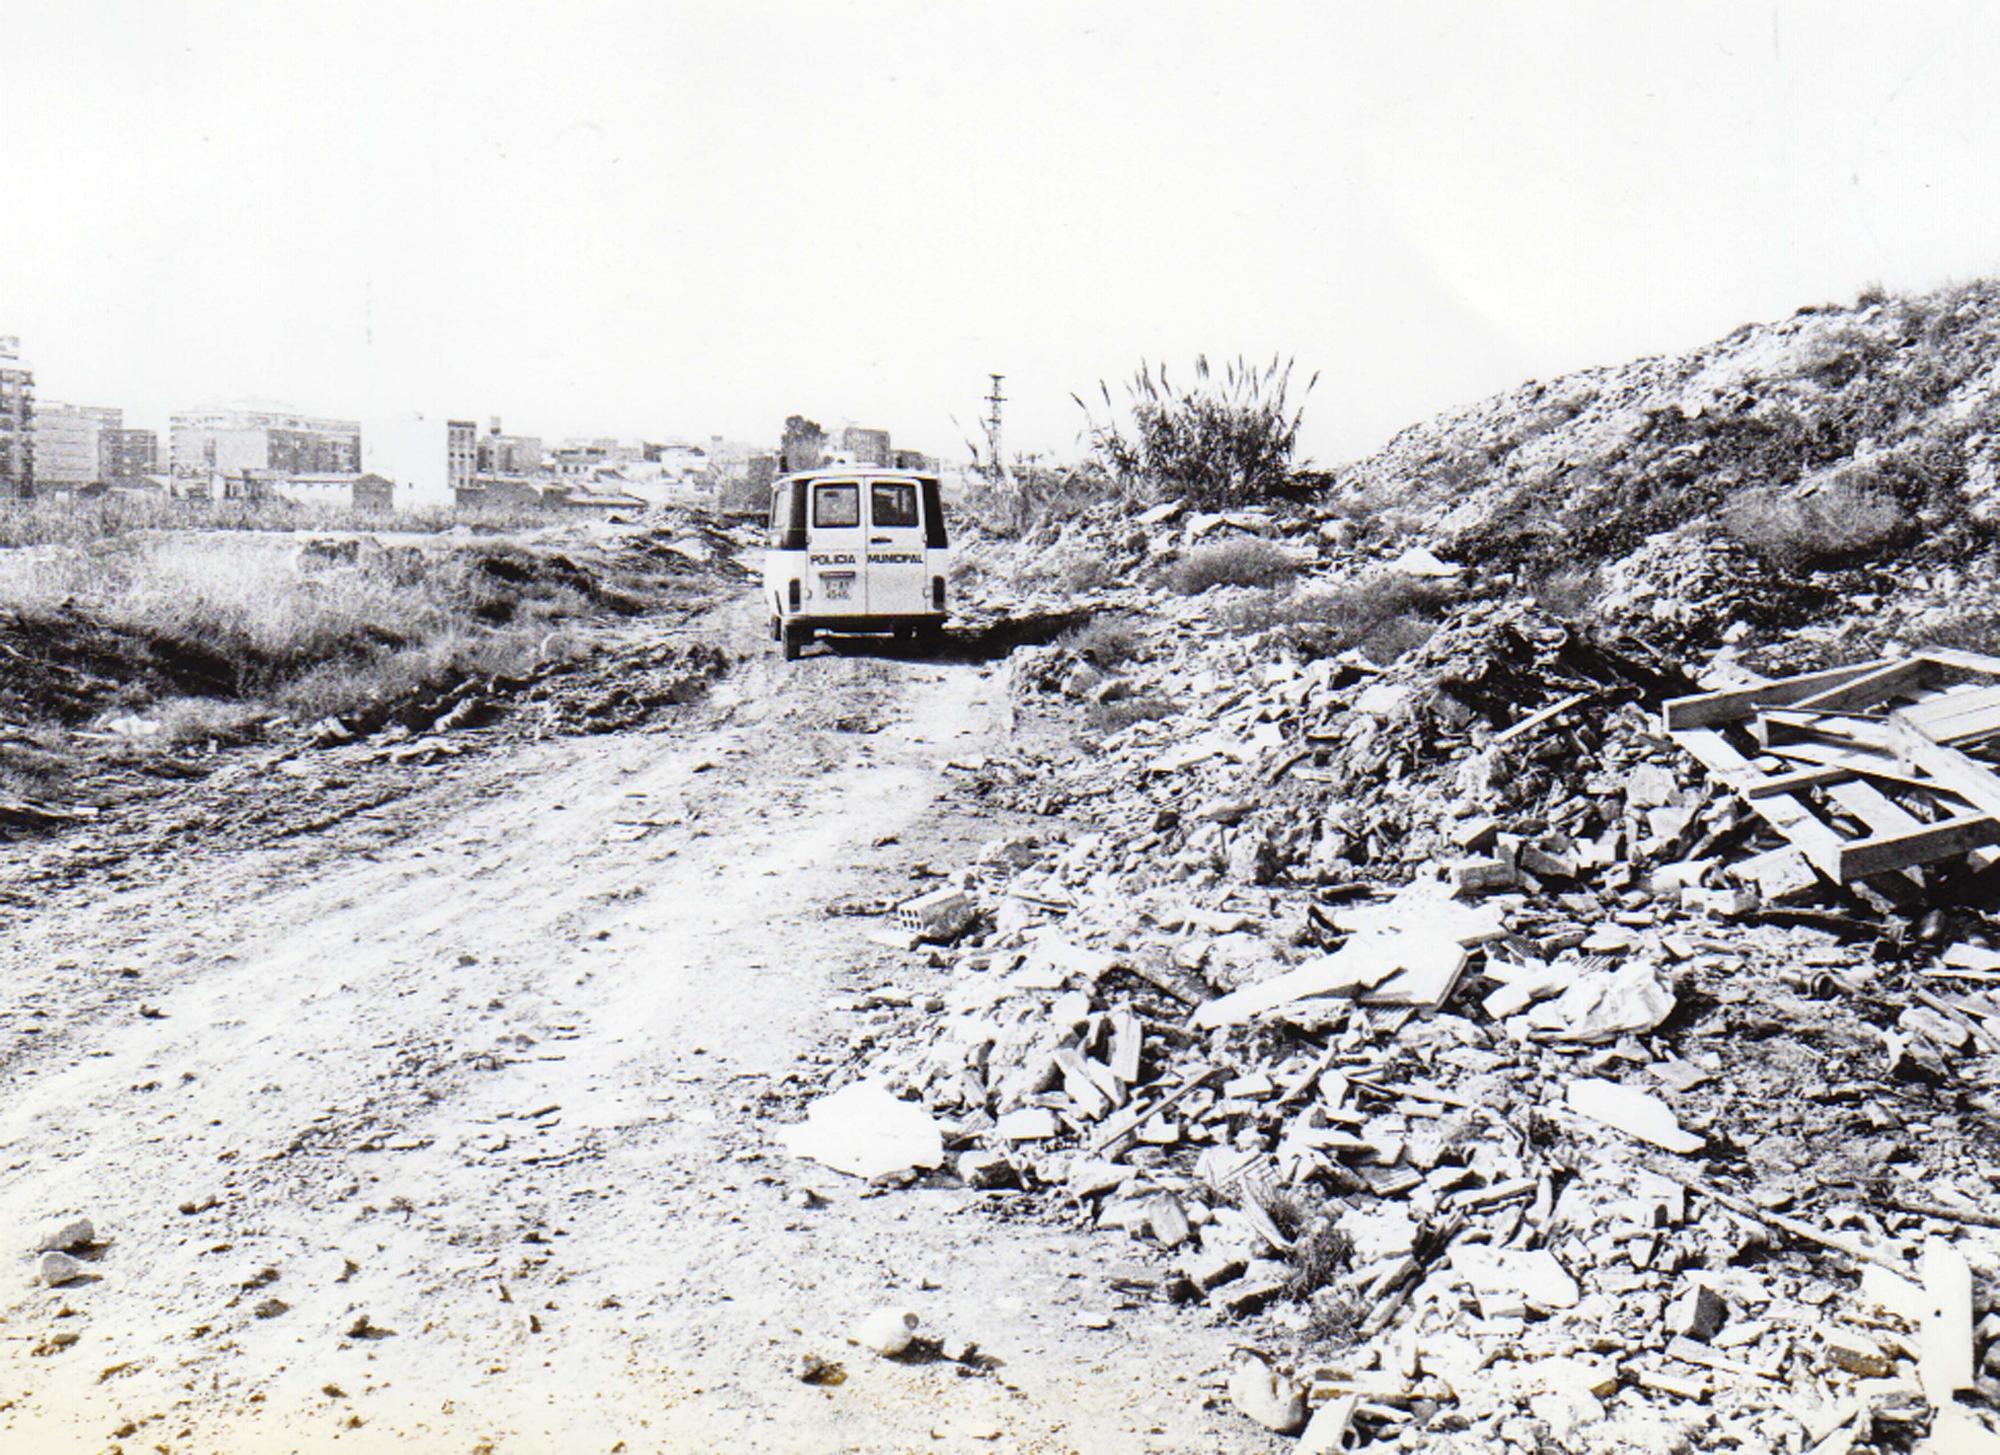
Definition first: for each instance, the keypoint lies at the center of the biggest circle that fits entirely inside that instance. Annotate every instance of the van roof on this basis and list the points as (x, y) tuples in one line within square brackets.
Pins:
[(854, 472)]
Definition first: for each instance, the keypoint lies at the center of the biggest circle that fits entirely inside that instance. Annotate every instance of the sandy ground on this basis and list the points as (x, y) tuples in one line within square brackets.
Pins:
[(449, 1126)]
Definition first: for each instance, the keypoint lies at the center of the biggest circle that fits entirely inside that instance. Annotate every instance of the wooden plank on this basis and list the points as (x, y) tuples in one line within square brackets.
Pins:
[(1867, 690), (1794, 781), (1706, 709), (1921, 845), (1782, 811), (1860, 762), (1962, 661), (1534, 720), (1780, 725), (1962, 775), (1886, 820)]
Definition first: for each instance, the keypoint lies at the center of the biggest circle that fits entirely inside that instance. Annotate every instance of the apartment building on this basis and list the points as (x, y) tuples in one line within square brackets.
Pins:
[(17, 421), (67, 440), (430, 460), (204, 443)]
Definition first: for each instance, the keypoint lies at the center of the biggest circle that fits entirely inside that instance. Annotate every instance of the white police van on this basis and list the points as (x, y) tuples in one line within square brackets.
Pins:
[(855, 548)]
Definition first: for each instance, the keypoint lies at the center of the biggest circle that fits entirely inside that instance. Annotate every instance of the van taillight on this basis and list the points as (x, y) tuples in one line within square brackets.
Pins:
[(937, 593), (794, 595)]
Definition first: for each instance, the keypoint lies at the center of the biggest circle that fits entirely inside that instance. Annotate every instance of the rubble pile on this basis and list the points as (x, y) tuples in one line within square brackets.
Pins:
[(1441, 1022)]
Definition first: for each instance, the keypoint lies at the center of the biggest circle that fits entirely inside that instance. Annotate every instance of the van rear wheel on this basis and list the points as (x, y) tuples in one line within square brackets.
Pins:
[(795, 639)]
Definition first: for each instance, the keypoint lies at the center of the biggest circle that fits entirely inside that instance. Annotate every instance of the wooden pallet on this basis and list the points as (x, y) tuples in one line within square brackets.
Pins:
[(1870, 769)]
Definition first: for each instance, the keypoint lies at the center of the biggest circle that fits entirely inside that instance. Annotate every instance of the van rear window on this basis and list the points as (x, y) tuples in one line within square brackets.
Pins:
[(892, 504), (836, 505)]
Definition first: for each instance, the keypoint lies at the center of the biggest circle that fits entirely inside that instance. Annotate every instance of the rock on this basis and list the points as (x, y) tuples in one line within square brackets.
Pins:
[(812, 1369), (887, 1331), (57, 1268), (1636, 1113), (1257, 1392), (1326, 1433), (1210, 1268), (76, 1233), (986, 1169), (1857, 1353), (1168, 1221), (1026, 1124), (1697, 1313), (1225, 810)]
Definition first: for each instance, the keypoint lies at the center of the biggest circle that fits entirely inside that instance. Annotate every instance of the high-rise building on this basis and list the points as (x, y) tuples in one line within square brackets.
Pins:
[(68, 439), (127, 454), (17, 421), (208, 442)]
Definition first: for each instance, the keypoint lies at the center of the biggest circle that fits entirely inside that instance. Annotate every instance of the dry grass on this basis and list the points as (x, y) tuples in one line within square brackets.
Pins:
[(279, 631), (1836, 525), (73, 520), (1104, 717), (1384, 615), (1246, 561), (1105, 641)]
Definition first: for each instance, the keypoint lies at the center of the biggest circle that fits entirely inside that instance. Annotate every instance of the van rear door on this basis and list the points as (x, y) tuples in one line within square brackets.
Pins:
[(838, 538), (898, 584)]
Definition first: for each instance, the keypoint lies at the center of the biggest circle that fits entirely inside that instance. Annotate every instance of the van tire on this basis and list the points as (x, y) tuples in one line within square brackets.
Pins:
[(795, 639)]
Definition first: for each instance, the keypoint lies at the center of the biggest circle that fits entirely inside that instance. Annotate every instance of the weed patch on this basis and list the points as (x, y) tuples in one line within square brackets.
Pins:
[(1840, 524), (1105, 641), (1249, 561)]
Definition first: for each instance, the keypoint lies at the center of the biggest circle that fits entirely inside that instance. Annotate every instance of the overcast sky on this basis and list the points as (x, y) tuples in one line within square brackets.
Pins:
[(672, 218)]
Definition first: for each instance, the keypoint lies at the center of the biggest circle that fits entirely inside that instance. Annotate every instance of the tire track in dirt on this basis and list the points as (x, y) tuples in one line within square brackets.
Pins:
[(494, 1104)]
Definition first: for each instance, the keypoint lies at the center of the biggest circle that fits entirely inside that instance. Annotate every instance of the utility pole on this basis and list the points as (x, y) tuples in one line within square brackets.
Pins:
[(996, 462)]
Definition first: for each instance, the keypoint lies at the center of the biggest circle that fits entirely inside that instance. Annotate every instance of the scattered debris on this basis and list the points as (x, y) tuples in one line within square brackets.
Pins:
[(865, 1130)]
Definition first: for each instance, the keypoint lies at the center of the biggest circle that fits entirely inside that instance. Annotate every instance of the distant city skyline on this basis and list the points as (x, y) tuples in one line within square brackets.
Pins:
[(691, 219)]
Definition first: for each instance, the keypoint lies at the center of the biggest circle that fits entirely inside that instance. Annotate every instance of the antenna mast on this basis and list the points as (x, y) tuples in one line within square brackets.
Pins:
[(996, 462)]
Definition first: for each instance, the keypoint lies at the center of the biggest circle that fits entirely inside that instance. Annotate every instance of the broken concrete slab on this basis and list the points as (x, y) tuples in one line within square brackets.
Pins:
[(1636, 1113), (866, 1131)]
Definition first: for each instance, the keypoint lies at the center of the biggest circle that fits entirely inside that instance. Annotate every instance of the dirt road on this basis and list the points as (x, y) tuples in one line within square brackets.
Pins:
[(450, 1126)]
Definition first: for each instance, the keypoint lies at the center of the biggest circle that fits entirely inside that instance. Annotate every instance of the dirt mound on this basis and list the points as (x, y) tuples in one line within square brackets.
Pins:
[(67, 668)]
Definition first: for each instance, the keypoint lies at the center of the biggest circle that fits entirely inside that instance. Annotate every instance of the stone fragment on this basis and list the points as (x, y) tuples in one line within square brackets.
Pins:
[(74, 1234), (812, 1369), (1697, 1313), (1856, 1353), (1208, 1268), (1326, 1433), (1168, 1221), (887, 1331), (57, 1268), (1026, 1124), (986, 1169), (1258, 1393), (1534, 1276)]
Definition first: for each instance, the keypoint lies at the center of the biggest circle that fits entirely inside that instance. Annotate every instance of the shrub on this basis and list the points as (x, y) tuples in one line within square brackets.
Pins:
[(1227, 439), (1104, 641), (1385, 615), (1245, 561), (1106, 717), (1567, 590), (1965, 631), (1838, 524)]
